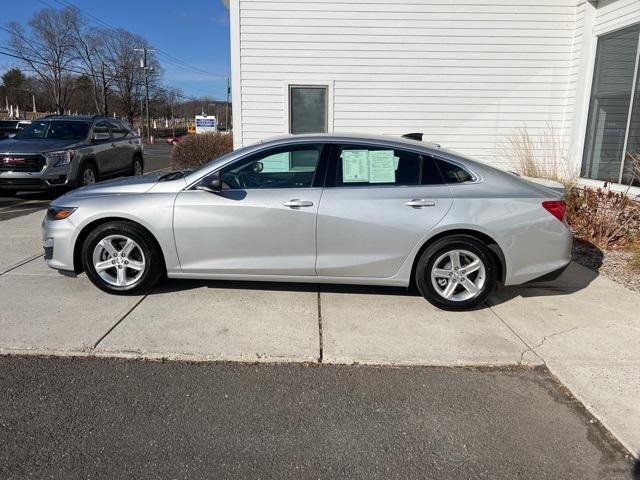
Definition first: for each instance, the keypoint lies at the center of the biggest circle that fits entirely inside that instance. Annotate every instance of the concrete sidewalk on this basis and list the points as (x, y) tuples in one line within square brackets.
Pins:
[(583, 327)]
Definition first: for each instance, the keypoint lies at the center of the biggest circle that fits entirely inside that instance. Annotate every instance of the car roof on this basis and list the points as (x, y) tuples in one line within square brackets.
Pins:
[(351, 137), (76, 118)]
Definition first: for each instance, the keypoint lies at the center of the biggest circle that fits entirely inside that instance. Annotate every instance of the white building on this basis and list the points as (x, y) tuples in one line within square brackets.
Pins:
[(466, 73)]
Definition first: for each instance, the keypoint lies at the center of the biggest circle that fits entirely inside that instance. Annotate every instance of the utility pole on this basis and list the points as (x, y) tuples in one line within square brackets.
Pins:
[(105, 107), (226, 114), (146, 68)]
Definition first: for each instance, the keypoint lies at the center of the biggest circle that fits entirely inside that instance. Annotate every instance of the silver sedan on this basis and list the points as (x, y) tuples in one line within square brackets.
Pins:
[(370, 210)]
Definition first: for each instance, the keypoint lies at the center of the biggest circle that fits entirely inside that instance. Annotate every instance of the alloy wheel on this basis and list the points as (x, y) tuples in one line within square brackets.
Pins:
[(88, 177), (119, 261), (458, 275)]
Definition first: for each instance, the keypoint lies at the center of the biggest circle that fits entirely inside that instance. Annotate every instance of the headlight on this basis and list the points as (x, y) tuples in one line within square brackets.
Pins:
[(59, 213), (62, 157)]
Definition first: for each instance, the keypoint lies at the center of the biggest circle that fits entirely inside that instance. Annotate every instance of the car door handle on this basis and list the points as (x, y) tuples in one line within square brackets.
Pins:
[(420, 203), (296, 203), (113, 144)]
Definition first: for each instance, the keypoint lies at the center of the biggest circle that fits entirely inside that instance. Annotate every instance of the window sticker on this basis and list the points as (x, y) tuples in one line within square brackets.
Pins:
[(355, 166), (276, 163), (382, 168)]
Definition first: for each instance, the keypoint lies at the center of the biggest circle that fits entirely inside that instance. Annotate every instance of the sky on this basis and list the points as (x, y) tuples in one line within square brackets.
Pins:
[(194, 31)]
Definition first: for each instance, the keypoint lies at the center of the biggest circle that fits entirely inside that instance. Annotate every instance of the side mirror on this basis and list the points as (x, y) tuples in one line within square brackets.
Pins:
[(258, 167), (212, 184), (99, 137)]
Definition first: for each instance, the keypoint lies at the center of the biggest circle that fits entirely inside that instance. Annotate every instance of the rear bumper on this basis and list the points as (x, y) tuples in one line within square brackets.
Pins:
[(551, 276)]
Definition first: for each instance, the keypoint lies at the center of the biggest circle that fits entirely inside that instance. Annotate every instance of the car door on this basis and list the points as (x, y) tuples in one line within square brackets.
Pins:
[(123, 150), (104, 148), (263, 221), (378, 204)]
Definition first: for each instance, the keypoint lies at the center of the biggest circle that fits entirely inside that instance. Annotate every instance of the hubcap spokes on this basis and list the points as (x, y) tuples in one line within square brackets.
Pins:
[(89, 177), (119, 260), (458, 275)]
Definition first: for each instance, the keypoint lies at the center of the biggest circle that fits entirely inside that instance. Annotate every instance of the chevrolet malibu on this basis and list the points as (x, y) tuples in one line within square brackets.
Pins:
[(370, 210)]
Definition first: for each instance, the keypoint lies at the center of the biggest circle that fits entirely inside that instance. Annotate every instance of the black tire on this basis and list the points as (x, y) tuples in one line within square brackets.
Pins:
[(441, 247), (137, 160), (148, 278), (83, 173)]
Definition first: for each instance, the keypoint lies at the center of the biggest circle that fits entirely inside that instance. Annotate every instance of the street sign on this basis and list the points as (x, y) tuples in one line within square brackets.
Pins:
[(206, 124)]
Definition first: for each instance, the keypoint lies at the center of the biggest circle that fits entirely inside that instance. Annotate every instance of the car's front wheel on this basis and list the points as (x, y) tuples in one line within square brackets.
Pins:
[(88, 175), (122, 258), (456, 273), (137, 168)]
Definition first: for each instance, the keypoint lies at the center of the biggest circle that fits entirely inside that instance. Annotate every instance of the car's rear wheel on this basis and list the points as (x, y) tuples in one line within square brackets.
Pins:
[(137, 168), (88, 175), (122, 258), (456, 273)]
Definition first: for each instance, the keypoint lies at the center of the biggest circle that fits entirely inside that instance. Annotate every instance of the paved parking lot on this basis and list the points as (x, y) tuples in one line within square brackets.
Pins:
[(583, 327)]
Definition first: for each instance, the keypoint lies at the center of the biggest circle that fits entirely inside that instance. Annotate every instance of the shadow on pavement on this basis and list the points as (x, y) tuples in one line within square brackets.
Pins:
[(176, 285), (581, 272)]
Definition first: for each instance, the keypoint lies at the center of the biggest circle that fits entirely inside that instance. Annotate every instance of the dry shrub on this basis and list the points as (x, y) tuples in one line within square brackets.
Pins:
[(540, 156), (635, 255), (604, 218), (196, 150)]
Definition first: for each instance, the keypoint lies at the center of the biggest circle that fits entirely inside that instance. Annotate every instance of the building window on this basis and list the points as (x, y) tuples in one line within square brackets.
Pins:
[(613, 128), (308, 109)]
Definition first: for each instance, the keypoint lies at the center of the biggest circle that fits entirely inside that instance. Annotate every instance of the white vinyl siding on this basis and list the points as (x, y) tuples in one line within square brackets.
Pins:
[(615, 14), (465, 73)]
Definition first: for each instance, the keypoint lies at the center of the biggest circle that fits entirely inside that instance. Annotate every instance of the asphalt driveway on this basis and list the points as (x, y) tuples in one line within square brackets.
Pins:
[(105, 418)]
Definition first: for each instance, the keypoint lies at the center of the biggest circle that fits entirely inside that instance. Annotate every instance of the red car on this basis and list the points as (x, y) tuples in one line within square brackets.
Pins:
[(175, 140)]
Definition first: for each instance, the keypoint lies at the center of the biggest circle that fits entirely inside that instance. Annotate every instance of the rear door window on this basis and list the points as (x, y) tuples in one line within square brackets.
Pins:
[(370, 166), (117, 130), (453, 173)]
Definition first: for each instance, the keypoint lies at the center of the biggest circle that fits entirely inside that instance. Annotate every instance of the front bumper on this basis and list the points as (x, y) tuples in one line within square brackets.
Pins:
[(57, 241), (48, 177)]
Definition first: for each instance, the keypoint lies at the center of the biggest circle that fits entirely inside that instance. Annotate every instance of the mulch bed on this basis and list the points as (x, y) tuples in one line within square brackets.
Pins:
[(613, 264)]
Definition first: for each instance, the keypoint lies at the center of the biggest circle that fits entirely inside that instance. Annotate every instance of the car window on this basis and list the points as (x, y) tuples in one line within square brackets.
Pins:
[(286, 167), (101, 131), (117, 130), (453, 173), (54, 130), (361, 166)]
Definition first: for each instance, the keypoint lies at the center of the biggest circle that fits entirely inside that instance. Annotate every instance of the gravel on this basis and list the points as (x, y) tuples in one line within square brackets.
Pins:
[(613, 264)]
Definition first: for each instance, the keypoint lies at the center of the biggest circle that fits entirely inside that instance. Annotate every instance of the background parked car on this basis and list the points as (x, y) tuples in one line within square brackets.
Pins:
[(68, 151), (9, 128)]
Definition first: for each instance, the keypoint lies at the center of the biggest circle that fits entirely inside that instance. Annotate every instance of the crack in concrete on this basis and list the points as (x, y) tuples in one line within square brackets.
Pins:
[(561, 332), (321, 341)]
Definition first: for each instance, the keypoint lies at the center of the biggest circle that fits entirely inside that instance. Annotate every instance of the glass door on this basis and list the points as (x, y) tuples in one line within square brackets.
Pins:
[(613, 128)]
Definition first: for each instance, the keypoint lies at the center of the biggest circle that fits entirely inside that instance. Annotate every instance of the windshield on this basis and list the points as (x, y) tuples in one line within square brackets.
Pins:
[(55, 130)]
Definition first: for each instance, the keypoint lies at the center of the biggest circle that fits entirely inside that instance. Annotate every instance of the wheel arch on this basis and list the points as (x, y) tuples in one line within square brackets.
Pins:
[(88, 228), (91, 160), (491, 244)]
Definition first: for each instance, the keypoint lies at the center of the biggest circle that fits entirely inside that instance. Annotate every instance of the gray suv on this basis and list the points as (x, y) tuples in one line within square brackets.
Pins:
[(68, 151)]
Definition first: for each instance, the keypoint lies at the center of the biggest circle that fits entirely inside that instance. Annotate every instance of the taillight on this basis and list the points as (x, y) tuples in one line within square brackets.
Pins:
[(557, 208)]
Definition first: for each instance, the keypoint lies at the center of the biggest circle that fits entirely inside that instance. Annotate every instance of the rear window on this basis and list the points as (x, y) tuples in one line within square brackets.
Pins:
[(55, 130)]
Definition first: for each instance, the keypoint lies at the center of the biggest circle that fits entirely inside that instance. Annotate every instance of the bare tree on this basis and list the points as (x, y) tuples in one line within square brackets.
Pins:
[(48, 49), (126, 72), (90, 47)]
